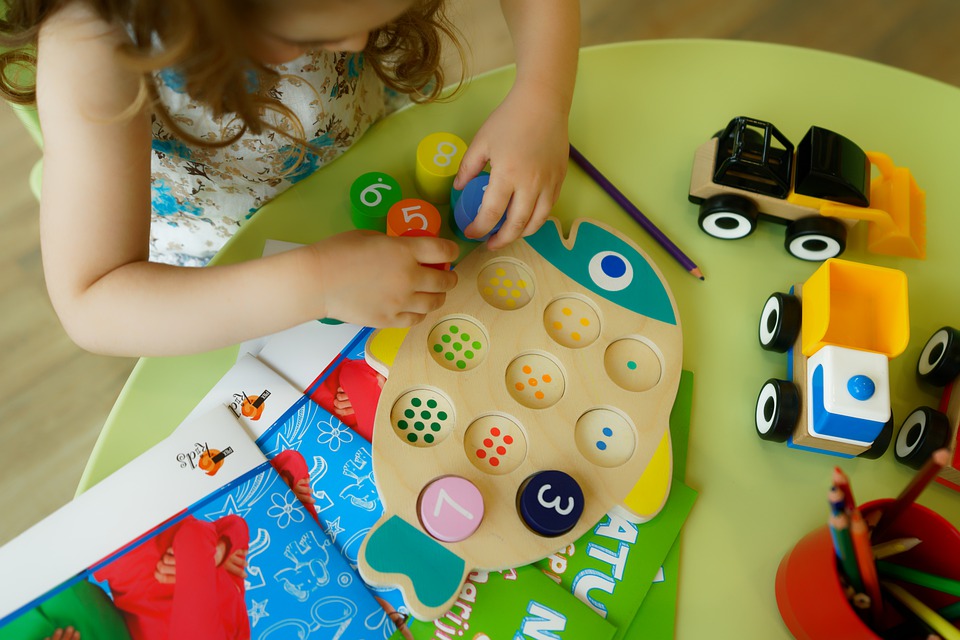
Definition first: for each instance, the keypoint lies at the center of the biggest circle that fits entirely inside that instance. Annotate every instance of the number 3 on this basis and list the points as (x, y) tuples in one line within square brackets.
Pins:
[(555, 503)]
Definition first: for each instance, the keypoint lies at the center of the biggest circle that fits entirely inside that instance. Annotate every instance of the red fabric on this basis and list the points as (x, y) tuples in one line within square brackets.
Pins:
[(359, 381), (206, 601)]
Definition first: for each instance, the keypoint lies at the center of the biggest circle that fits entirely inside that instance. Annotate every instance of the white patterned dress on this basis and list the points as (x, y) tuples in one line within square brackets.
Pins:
[(201, 196)]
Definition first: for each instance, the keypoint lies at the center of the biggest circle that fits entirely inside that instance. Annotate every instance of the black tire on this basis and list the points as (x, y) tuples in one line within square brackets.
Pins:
[(779, 322), (778, 409), (816, 238), (923, 432), (728, 217), (881, 443), (939, 362)]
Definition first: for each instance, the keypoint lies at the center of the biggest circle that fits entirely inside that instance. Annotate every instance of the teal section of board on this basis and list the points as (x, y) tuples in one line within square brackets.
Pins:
[(435, 571), (608, 266)]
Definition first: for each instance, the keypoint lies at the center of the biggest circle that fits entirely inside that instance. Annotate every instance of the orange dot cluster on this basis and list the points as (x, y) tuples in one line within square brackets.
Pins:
[(547, 379)]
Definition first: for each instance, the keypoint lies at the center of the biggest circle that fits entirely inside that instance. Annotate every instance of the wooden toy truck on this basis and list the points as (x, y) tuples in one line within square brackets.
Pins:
[(839, 330), (926, 429), (749, 171)]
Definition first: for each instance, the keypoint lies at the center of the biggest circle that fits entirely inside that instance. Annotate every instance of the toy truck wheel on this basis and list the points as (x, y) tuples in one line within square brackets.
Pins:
[(881, 443), (728, 217), (815, 238), (779, 322), (939, 361), (778, 409), (923, 432)]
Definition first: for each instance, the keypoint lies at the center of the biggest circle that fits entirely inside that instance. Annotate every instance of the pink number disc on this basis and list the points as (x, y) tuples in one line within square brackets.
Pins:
[(451, 509)]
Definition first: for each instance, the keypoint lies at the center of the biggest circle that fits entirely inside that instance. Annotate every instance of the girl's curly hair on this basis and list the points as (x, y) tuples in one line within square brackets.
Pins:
[(199, 39)]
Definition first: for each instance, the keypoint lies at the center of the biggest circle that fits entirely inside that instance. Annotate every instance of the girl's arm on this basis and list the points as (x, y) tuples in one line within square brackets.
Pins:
[(95, 225), (525, 139)]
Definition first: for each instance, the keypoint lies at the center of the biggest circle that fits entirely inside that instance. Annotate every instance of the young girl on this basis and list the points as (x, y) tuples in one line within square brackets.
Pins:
[(238, 99)]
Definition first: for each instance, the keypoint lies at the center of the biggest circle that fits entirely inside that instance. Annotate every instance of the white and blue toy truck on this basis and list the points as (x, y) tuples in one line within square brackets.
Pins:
[(839, 329)]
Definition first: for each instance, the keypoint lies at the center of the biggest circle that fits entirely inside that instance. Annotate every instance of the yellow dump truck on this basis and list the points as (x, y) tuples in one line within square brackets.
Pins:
[(751, 171), (839, 329)]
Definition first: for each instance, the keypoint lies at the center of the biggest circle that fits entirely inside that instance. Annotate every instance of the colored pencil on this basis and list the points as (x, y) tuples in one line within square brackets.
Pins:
[(893, 547), (635, 213), (928, 616), (860, 536), (836, 500), (842, 482), (919, 578), (951, 611), (928, 472), (840, 527)]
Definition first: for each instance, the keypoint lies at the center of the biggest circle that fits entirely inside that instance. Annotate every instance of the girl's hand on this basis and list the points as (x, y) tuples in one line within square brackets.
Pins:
[(369, 279), (525, 141)]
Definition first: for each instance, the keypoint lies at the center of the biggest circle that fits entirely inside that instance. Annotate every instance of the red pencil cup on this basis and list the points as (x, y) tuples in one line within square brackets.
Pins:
[(811, 598)]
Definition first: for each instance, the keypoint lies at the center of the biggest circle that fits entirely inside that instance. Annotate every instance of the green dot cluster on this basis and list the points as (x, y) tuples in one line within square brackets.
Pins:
[(457, 347), (422, 421)]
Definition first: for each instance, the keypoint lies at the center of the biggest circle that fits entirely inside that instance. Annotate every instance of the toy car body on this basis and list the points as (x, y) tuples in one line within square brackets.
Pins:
[(839, 330), (750, 171), (926, 429)]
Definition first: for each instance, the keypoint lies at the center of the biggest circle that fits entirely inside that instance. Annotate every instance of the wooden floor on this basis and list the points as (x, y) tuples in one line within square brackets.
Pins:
[(56, 397)]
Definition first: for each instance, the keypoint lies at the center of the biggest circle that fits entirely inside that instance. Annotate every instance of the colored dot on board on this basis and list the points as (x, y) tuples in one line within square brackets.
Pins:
[(409, 413), (532, 382), (454, 329), (607, 431), (500, 271), (601, 445), (522, 284), (495, 432), (538, 395), (501, 450), (494, 462), (566, 311), (425, 415), (585, 322), (487, 442), (446, 338), (515, 293), (418, 425), (428, 438), (508, 283), (558, 325), (403, 424), (547, 378), (519, 386), (495, 282), (465, 337), (435, 426), (432, 403), (508, 439), (502, 293), (511, 303), (481, 454), (575, 336), (411, 437), (438, 348), (448, 356), (487, 291), (442, 415), (415, 402), (468, 355), (631, 365), (477, 344), (527, 369), (461, 364), (457, 346)]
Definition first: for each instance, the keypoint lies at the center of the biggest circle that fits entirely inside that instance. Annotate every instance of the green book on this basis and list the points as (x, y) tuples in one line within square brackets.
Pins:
[(515, 604)]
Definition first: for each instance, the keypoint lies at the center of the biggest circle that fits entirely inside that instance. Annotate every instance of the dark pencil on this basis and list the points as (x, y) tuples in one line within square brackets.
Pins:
[(635, 213), (928, 472)]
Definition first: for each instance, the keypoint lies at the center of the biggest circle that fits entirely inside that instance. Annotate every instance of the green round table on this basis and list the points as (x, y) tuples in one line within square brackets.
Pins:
[(639, 112)]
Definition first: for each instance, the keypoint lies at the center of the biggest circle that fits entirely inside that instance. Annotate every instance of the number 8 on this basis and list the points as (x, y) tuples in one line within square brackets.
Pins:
[(443, 158)]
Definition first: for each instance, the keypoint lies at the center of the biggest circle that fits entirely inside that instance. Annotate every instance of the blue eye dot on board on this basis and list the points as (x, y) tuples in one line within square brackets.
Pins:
[(613, 266), (601, 445), (607, 431)]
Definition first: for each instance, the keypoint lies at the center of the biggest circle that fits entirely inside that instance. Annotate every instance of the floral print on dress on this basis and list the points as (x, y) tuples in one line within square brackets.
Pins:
[(201, 196)]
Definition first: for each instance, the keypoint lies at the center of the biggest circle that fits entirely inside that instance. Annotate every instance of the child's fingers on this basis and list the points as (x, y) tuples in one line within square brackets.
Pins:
[(518, 214), (430, 280), (492, 207), (540, 213), (473, 162), (434, 251)]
